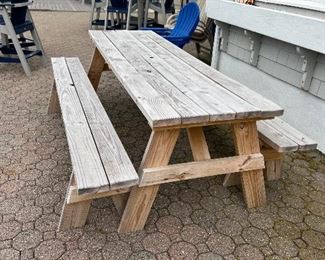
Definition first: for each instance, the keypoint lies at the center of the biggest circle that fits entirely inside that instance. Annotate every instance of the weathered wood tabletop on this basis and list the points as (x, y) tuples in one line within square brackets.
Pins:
[(174, 90)]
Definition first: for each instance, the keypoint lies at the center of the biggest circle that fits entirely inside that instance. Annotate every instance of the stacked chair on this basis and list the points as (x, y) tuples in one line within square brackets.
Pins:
[(15, 21), (117, 13), (162, 7), (97, 6), (203, 32), (186, 23)]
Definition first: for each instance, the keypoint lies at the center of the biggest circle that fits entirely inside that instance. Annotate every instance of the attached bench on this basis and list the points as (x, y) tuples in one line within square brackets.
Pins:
[(277, 137), (101, 166)]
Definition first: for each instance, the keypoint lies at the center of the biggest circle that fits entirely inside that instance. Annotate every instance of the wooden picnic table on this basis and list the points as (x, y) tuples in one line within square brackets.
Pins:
[(175, 91)]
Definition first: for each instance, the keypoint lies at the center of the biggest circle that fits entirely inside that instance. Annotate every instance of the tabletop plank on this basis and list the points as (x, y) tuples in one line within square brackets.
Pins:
[(268, 108), (171, 87), (190, 112), (153, 106), (199, 83)]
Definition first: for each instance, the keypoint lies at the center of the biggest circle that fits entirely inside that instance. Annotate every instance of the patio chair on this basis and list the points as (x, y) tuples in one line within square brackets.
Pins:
[(122, 9), (162, 7), (203, 32), (187, 21), (96, 8), (15, 20)]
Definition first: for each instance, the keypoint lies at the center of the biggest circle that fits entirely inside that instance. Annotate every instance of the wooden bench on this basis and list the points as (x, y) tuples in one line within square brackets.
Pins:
[(100, 164), (277, 138)]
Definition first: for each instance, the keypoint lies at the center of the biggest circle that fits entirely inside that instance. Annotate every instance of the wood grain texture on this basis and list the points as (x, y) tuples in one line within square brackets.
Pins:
[(54, 104), (83, 151), (188, 110), (96, 68), (273, 170), (75, 197), (246, 141), (304, 142), (171, 90), (153, 106), (276, 139), (192, 170), (158, 152), (118, 167), (120, 201), (73, 215), (219, 102), (267, 107), (198, 143)]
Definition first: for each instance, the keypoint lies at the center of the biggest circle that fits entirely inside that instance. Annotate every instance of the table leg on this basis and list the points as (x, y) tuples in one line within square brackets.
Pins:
[(198, 144), (54, 104), (73, 215), (96, 68), (158, 152), (246, 141)]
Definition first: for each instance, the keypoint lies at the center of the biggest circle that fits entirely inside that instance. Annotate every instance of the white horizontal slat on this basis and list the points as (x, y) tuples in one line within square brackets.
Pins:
[(304, 31)]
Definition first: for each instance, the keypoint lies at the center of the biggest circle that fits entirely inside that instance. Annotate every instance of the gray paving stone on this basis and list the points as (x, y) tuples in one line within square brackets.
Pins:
[(248, 252), (9, 230), (9, 254), (220, 244), (27, 239), (49, 250)]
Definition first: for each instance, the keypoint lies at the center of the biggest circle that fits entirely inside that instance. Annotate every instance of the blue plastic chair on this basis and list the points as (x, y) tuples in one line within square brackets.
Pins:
[(186, 23)]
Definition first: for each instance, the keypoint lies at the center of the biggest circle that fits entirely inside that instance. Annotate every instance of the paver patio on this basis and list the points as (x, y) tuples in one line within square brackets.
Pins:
[(194, 219)]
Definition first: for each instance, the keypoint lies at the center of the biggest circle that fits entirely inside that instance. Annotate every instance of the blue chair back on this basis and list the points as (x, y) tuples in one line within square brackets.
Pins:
[(188, 19), (168, 4), (119, 3), (18, 15)]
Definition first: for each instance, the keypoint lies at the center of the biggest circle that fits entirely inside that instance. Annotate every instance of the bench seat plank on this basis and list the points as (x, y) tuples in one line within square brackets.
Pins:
[(282, 137), (304, 142), (116, 162), (103, 163), (83, 151)]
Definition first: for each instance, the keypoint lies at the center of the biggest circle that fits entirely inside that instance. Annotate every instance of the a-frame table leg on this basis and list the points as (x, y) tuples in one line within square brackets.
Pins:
[(73, 215), (246, 141), (96, 68), (198, 144), (158, 153)]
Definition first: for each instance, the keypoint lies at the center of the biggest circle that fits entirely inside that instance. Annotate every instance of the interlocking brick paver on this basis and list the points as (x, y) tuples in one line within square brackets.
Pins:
[(27, 239), (9, 254), (248, 252), (156, 242), (192, 219), (117, 250), (182, 250), (220, 244), (50, 249)]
